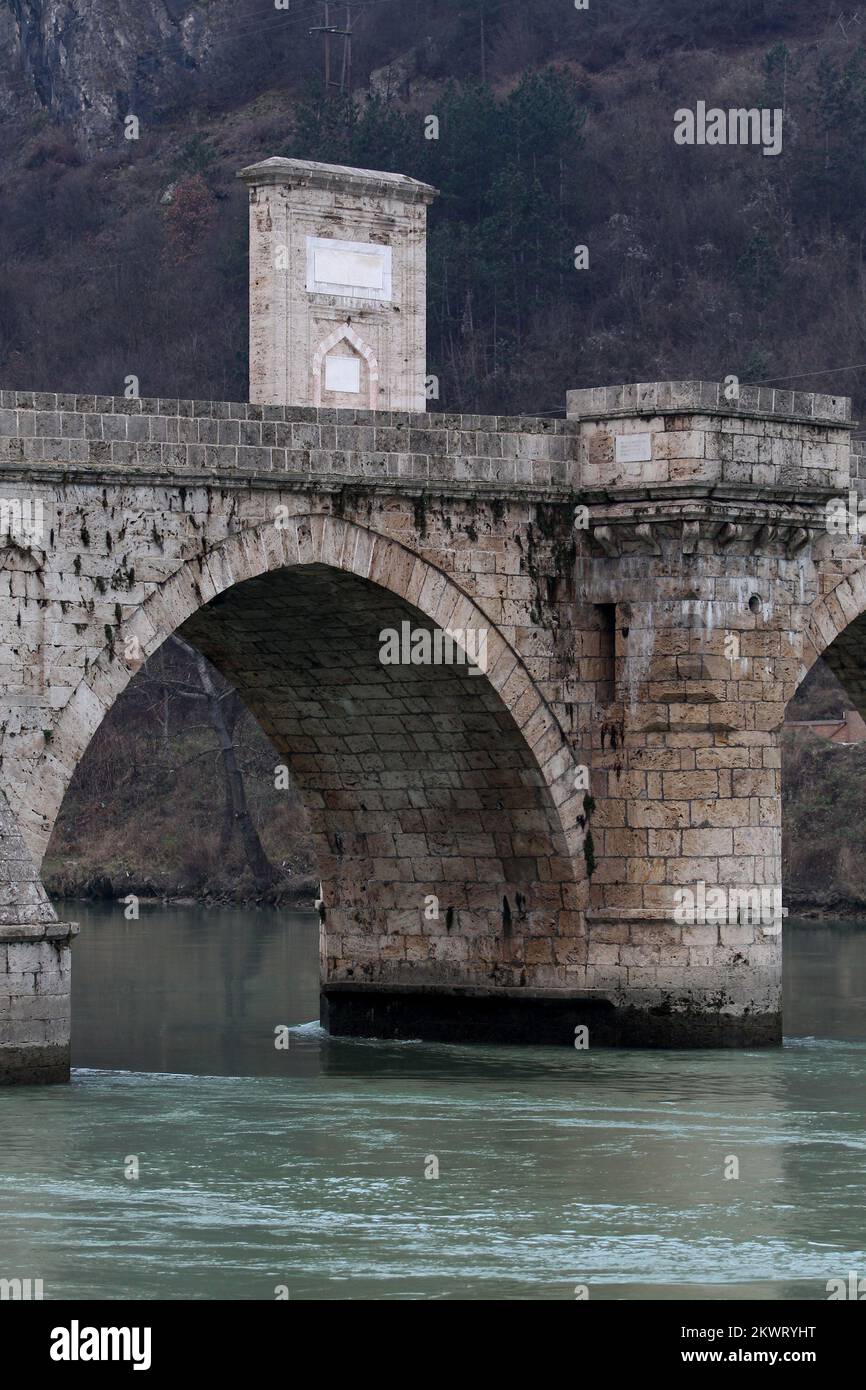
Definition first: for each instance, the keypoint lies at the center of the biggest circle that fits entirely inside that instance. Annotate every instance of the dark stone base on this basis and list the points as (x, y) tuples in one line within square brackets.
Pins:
[(519, 1017), (41, 1064)]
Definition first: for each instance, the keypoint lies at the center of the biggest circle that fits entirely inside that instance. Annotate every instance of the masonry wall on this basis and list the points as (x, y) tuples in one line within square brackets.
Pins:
[(709, 554), (420, 783), (296, 322), (218, 438), (858, 468), (34, 967)]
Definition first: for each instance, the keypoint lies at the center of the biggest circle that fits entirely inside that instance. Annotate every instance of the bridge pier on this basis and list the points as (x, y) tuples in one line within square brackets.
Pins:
[(34, 969), (657, 1017), (685, 921), (703, 548)]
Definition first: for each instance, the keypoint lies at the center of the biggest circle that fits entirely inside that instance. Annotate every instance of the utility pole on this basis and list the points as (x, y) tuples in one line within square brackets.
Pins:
[(483, 45), (347, 50), (345, 83)]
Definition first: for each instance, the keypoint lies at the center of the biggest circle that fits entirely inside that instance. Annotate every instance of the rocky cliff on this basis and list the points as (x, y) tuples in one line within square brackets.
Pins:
[(89, 63)]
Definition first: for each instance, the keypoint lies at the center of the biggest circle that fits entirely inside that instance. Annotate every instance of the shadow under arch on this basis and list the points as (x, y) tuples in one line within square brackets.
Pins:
[(441, 802), (835, 631), (815, 857)]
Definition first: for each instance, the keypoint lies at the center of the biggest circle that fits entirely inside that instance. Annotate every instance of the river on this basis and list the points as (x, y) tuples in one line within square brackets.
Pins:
[(299, 1171)]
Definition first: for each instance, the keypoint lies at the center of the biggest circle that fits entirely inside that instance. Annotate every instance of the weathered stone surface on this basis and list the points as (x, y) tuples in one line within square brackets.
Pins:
[(663, 670), (338, 290)]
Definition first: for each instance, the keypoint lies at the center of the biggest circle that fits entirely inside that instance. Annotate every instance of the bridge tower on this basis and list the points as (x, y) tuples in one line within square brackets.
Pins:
[(338, 286)]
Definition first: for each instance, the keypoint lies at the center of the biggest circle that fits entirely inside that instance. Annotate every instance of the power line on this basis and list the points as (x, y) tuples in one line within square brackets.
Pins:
[(256, 22), (264, 20), (294, 18), (798, 376)]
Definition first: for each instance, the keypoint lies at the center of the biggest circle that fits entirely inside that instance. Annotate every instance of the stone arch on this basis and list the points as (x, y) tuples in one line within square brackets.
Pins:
[(835, 629), (323, 539), (492, 826), (346, 333)]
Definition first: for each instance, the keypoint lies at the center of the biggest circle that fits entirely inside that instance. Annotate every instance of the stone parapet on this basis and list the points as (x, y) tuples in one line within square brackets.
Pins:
[(618, 455), (684, 437), (705, 397), (304, 443)]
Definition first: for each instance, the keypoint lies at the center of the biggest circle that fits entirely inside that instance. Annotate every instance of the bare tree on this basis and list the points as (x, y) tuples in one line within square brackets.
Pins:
[(237, 811)]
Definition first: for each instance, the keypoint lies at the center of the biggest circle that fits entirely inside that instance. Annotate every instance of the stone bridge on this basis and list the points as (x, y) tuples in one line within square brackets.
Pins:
[(575, 828)]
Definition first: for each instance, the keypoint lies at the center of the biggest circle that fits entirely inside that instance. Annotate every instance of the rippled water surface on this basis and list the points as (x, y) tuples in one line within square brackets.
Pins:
[(305, 1167)]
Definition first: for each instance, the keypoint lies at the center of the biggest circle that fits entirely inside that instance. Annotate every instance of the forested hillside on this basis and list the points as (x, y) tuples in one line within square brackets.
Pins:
[(555, 131)]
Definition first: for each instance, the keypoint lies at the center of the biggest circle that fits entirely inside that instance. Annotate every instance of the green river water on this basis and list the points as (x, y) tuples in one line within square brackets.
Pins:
[(303, 1169)]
